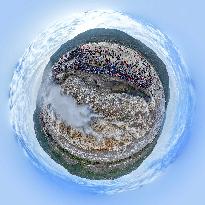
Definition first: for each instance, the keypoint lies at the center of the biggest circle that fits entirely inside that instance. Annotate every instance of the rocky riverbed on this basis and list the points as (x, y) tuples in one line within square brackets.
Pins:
[(101, 107)]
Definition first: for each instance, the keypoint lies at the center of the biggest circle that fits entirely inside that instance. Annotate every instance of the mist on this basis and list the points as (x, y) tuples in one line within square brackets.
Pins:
[(67, 108)]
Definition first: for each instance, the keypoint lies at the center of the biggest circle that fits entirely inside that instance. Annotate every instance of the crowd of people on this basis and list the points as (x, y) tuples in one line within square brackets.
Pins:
[(105, 60)]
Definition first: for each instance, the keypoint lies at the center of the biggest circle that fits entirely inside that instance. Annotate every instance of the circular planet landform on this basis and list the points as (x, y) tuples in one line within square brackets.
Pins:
[(102, 100), (101, 104)]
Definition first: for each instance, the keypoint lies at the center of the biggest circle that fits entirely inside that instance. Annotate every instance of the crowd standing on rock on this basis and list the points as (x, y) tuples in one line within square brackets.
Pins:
[(113, 61)]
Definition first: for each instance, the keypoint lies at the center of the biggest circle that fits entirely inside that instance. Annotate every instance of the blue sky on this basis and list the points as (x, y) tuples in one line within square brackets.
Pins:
[(22, 183)]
